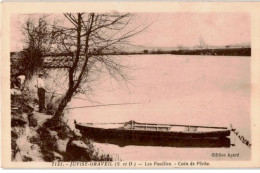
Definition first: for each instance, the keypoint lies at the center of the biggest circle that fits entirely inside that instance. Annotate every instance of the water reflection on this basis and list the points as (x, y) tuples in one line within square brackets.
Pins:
[(178, 142)]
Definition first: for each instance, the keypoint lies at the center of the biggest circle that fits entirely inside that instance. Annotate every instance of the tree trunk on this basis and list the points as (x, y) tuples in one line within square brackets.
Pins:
[(72, 70), (63, 103)]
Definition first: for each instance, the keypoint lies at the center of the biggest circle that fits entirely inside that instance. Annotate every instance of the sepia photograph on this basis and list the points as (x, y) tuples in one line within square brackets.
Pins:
[(132, 86), (130, 89)]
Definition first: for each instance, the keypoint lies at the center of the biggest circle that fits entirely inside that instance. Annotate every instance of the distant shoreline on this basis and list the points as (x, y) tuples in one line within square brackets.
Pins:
[(212, 52)]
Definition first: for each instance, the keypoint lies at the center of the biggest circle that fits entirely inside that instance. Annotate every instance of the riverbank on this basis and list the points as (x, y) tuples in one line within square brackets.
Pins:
[(200, 51), (41, 137), (216, 52)]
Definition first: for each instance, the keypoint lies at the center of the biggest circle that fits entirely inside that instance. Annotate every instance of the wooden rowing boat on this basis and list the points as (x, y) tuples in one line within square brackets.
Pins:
[(132, 130)]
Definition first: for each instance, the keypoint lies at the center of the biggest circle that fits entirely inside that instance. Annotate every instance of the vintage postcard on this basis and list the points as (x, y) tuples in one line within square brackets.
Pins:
[(130, 85)]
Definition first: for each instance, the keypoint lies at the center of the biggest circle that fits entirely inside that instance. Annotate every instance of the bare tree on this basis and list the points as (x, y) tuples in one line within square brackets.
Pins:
[(91, 38), (39, 38)]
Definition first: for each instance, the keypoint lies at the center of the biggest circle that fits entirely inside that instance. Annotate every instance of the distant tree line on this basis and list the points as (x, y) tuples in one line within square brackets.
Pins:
[(213, 52), (216, 52)]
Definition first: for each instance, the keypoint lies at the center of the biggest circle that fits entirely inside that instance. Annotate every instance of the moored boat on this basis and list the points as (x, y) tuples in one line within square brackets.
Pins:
[(134, 129)]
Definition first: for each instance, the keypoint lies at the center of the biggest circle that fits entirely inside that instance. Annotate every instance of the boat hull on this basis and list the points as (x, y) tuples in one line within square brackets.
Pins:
[(124, 137), (157, 134)]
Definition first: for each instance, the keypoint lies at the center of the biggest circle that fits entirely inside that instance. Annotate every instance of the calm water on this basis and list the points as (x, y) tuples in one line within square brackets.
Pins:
[(192, 90)]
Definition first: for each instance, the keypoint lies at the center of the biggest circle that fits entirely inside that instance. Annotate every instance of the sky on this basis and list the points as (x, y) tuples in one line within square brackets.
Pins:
[(174, 29), (186, 29)]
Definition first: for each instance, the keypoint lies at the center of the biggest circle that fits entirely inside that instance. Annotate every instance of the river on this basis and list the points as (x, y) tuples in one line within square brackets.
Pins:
[(192, 90)]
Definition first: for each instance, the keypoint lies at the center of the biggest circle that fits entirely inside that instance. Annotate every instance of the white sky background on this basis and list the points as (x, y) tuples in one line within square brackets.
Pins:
[(173, 29)]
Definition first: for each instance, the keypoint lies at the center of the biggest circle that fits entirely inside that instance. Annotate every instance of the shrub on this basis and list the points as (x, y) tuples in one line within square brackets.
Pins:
[(32, 121), (48, 144)]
